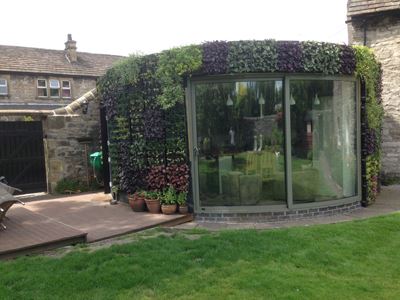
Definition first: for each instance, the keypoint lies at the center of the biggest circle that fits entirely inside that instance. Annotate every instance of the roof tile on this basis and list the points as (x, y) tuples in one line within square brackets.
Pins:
[(45, 61), (361, 7)]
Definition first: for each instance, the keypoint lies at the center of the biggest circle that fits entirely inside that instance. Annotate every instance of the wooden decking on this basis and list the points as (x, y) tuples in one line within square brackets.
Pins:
[(45, 224), (28, 232)]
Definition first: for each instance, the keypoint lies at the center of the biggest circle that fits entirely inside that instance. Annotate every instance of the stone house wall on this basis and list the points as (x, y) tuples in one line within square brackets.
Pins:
[(382, 34), (22, 88), (68, 140)]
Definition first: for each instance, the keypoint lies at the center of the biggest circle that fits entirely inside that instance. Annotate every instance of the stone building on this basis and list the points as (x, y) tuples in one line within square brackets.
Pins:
[(40, 142), (376, 24)]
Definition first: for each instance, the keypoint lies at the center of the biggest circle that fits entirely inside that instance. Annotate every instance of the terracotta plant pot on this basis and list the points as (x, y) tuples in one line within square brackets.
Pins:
[(168, 209), (183, 209), (137, 202), (153, 205)]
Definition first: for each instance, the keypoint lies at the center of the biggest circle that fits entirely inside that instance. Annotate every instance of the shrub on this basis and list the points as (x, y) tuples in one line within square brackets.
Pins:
[(163, 177), (68, 185)]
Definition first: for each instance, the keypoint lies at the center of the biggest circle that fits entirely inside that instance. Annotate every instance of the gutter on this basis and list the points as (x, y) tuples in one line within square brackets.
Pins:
[(67, 110)]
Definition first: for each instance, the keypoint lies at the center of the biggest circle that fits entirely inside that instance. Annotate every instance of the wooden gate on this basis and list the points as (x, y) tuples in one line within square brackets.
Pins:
[(22, 155)]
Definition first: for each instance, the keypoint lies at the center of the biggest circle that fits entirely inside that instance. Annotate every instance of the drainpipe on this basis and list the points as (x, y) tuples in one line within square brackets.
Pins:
[(81, 102), (70, 109), (365, 33)]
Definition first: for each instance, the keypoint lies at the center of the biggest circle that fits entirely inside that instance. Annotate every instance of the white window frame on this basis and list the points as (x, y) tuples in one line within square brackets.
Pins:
[(4, 85), (66, 89), (55, 88), (42, 87)]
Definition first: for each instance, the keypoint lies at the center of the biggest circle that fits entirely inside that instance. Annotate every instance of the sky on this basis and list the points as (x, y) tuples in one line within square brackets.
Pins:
[(124, 27)]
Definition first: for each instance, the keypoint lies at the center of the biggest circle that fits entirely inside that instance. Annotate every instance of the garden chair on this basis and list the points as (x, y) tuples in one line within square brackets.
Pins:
[(6, 201), (267, 164), (252, 163)]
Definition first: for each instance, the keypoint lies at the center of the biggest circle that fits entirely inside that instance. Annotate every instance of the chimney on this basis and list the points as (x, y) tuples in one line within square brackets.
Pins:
[(70, 49)]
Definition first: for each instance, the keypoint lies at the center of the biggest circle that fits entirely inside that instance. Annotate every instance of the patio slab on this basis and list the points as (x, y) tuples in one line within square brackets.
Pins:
[(92, 213), (59, 221)]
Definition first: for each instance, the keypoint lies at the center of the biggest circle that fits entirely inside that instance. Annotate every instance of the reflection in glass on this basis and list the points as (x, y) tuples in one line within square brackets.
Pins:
[(240, 138), (323, 133)]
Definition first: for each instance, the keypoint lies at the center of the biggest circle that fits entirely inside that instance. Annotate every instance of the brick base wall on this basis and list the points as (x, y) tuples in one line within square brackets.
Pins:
[(277, 216)]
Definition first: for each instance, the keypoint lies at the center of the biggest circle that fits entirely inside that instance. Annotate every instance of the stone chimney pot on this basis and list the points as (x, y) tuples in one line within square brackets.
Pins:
[(70, 49)]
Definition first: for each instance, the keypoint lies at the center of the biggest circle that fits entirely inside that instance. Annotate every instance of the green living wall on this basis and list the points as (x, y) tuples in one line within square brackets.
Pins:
[(144, 100)]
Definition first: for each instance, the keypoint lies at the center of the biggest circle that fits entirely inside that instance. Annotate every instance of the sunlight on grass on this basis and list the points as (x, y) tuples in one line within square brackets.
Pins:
[(352, 260)]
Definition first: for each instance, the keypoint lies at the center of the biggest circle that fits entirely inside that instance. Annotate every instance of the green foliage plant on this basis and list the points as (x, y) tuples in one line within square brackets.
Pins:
[(181, 198), (321, 57), (252, 56), (169, 196), (174, 64), (69, 185), (368, 70)]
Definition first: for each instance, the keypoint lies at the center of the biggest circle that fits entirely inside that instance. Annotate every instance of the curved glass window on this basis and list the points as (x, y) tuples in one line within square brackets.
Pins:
[(246, 154), (240, 137), (323, 139)]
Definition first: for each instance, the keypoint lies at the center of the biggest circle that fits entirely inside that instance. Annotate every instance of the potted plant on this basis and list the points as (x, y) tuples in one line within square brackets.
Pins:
[(168, 201), (181, 200), (152, 199), (137, 201)]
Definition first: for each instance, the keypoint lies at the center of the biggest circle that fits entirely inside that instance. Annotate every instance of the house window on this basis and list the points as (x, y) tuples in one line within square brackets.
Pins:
[(3, 87), (54, 88), (42, 87), (66, 89)]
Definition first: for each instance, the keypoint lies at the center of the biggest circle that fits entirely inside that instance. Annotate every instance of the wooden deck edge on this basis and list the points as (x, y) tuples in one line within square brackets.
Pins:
[(168, 223), (181, 220), (39, 248)]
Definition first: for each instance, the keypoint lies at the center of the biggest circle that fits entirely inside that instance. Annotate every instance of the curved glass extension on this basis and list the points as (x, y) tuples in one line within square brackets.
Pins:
[(261, 144)]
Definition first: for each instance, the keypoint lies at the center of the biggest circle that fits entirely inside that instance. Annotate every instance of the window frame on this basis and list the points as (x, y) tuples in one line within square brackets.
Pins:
[(52, 88), (66, 89), (286, 77), (42, 88), (4, 85)]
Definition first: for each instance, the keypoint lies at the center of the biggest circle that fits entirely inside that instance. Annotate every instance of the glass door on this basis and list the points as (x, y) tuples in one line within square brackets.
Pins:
[(323, 140), (239, 143)]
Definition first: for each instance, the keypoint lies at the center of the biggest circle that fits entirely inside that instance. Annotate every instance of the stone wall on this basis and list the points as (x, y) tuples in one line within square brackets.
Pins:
[(383, 35), (68, 141), (22, 88)]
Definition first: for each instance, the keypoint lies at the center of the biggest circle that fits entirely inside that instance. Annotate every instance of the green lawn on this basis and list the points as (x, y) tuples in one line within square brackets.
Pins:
[(354, 260)]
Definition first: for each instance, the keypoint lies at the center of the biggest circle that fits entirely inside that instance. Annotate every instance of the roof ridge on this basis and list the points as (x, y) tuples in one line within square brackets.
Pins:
[(56, 50)]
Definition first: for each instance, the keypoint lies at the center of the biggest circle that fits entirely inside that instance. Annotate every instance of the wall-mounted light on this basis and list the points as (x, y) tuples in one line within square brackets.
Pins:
[(316, 100), (229, 102), (85, 107), (292, 101), (261, 100)]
